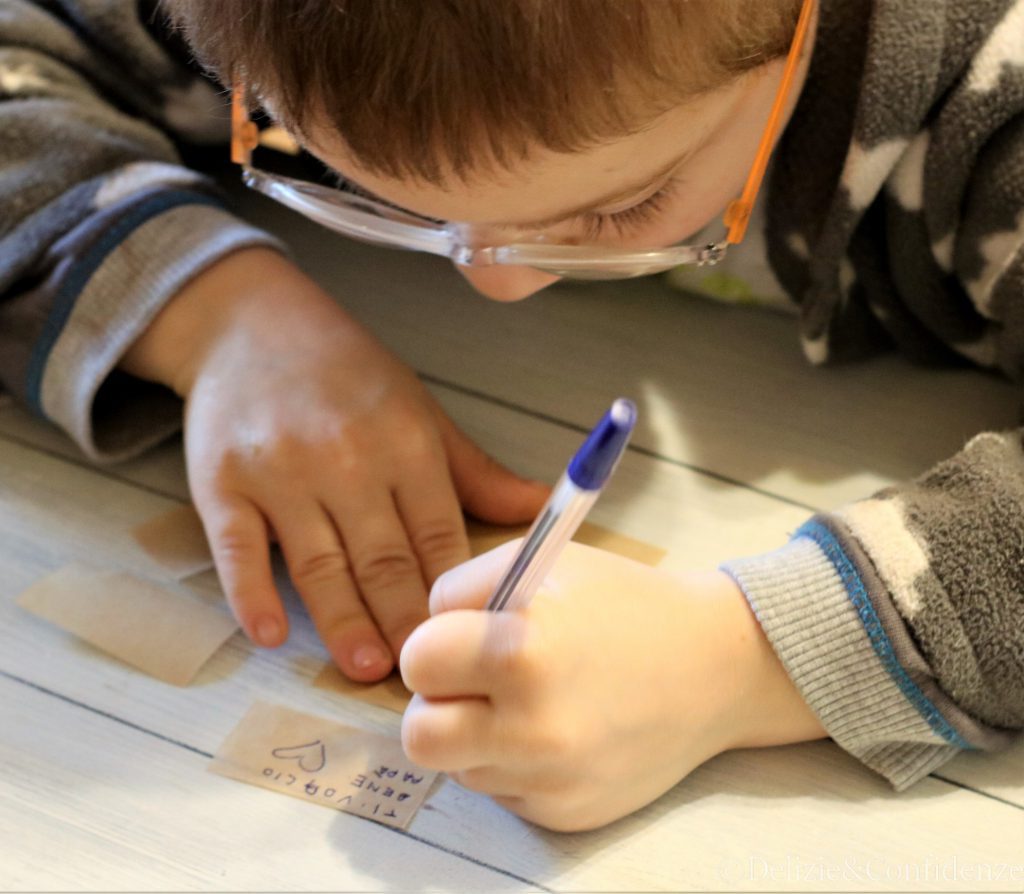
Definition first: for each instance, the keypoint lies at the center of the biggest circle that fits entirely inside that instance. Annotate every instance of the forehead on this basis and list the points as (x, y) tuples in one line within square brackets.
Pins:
[(547, 183)]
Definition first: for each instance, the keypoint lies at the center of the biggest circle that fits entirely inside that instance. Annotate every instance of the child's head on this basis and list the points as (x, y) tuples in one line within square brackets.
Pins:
[(630, 122)]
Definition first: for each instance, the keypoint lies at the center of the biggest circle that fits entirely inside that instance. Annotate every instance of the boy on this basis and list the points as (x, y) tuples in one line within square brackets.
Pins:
[(895, 215)]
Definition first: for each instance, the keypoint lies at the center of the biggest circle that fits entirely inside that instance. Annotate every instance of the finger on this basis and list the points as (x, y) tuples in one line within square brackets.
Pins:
[(238, 540), (470, 585), (492, 781), (485, 488), (320, 570), (462, 654), (386, 570), (433, 520), (448, 735)]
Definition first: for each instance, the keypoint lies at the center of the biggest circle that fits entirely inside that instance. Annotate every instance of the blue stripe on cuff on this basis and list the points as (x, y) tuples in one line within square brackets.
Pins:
[(857, 592), (82, 271)]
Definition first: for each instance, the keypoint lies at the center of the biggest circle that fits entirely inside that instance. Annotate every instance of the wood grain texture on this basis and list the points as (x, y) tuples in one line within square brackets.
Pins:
[(700, 519), (719, 387), (786, 809), (91, 804), (744, 439)]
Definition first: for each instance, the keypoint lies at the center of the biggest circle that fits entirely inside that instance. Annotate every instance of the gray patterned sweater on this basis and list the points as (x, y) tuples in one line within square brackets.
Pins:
[(896, 217)]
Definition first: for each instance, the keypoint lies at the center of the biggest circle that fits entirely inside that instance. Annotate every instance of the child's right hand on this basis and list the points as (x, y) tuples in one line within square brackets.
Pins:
[(610, 687), (301, 425)]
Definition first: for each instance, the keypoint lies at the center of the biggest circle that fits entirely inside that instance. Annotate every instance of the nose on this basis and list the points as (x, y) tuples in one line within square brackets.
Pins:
[(501, 283)]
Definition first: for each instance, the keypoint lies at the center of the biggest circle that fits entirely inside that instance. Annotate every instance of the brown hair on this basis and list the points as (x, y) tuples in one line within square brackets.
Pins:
[(429, 88)]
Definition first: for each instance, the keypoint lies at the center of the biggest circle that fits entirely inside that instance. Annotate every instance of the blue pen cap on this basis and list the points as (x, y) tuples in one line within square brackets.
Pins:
[(595, 461)]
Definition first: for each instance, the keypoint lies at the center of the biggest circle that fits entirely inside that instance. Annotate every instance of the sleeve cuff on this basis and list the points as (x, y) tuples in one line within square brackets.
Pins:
[(815, 611), (111, 415)]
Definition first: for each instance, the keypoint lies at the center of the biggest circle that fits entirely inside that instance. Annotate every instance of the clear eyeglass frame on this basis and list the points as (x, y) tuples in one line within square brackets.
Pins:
[(364, 219)]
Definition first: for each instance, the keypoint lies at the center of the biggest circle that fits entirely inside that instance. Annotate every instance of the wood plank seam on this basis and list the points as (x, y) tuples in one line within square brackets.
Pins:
[(106, 715), (108, 472), (111, 473), (632, 448), (955, 783)]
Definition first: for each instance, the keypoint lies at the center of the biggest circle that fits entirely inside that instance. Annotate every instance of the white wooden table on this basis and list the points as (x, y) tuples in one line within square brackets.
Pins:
[(102, 769)]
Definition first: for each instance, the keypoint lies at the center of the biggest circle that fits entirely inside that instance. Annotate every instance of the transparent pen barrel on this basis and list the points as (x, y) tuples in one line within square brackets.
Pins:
[(556, 524)]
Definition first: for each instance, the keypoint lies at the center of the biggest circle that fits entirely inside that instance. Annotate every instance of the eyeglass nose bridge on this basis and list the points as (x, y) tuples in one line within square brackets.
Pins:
[(474, 256), (478, 245)]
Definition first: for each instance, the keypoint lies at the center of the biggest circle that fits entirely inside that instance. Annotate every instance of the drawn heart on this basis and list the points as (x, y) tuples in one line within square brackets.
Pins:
[(311, 756)]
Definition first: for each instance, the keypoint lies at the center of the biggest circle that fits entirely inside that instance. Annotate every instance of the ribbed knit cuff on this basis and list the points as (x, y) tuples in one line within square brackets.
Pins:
[(109, 414), (811, 606)]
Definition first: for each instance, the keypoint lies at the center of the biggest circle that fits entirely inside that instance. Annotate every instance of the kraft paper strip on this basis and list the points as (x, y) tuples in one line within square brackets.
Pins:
[(391, 693), (484, 537), (165, 633), (324, 762), (176, 541)]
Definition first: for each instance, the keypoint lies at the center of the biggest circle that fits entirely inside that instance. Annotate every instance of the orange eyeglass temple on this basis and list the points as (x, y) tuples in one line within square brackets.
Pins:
[(737, 215), (245, 135)]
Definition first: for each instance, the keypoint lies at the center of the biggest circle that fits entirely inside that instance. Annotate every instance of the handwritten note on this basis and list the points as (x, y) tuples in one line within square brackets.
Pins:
[(325, 763)]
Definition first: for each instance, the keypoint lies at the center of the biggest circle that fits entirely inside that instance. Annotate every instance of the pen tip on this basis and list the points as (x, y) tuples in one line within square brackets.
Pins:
[(600, 453), (623, 412)]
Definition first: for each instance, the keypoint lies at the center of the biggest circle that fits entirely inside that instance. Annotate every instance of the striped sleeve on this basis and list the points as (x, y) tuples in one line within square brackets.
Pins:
[(899, 617), (101, 224)]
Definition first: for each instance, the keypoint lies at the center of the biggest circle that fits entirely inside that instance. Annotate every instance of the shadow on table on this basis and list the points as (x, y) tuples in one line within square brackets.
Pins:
[(723, 388), (761, 801)]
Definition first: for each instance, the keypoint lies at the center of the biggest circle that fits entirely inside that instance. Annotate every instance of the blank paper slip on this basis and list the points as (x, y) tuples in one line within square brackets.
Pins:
[(324, 762), (176, 541), (164, 633), (484, 537), (389, 693)]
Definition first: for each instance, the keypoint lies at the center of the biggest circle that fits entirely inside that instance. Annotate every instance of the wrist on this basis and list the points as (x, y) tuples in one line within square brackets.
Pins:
[(174, 346), (766, 707)]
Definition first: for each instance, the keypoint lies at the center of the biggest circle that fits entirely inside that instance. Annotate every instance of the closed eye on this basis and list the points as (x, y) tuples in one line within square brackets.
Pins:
[(629, 220)]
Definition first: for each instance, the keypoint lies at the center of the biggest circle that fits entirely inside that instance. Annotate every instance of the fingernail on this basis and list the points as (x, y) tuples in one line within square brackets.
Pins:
[(268, 632), (366, 657)]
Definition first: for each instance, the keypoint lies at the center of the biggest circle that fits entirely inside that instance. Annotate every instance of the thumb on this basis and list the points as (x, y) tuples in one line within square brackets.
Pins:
[(470, 585), (486, 489)]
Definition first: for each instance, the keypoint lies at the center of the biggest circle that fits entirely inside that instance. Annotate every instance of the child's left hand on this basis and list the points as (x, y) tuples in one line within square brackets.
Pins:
[(613, 685)]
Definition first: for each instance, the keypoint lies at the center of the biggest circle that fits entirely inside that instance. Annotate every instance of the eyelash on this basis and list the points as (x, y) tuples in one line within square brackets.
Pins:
[(629, 219), (595, 224)]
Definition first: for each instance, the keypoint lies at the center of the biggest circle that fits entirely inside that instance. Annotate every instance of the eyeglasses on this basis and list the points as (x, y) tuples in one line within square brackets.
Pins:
[(369, 220)]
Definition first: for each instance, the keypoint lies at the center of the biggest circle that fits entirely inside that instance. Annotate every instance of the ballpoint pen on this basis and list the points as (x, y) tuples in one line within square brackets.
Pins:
[(577, 490)]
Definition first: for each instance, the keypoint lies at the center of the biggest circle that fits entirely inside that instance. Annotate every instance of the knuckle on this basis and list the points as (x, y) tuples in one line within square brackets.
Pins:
[(386, 568), (438, 539), (320, 568), (232, 544), (418, 441), (421, 740)]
